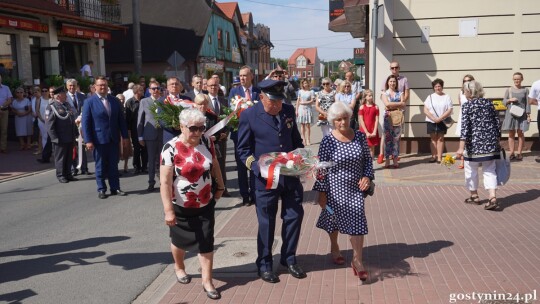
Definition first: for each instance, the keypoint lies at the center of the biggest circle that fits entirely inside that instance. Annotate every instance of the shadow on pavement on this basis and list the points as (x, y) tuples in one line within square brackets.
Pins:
[(17, 296), (22, 269), (518, 198), (129, 261), (63, 247)]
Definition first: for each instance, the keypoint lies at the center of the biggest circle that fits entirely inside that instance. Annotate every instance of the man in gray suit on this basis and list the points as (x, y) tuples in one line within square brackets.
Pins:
[(149, 136), (76, 100)]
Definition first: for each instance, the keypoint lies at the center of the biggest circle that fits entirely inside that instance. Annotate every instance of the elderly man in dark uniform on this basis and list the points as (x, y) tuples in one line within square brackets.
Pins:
[(270, 126), (60, 123)]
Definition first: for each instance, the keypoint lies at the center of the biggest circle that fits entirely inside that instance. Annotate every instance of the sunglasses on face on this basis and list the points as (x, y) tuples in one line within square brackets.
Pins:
[(155, 88), (394, 68), (465, 80), (194, 129), (326, 83)]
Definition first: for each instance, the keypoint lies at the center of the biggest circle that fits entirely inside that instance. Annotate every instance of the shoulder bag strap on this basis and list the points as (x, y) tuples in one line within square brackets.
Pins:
[(431, 99)]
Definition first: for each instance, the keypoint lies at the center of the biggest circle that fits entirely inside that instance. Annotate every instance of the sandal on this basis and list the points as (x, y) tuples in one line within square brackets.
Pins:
[(474, 199), (492, 204), (432, 160), (519, 157), (339, 260), (460, 167), (380, 159), (512, 157)]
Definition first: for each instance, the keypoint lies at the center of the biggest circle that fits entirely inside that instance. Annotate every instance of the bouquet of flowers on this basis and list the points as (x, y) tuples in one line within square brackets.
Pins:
[(168, 112), (448, 160), (299, 162), (238, 105)]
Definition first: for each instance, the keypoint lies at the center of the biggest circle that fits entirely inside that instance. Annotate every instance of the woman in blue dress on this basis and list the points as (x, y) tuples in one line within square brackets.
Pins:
[(341, 190), (304, 111)]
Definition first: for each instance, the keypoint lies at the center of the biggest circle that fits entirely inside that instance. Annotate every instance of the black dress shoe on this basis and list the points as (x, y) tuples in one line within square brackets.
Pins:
[(63, 180), (296, 271), (118, 192), (251, 202), (102, 195), (245, 201), (75, 172), (145, 171), (42, 161), (72, 179), (137, 171), (268, 276), (86, 173), (150, 188)]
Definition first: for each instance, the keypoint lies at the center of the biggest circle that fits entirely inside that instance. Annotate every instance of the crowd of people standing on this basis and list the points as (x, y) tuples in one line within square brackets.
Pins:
[(190, 167)]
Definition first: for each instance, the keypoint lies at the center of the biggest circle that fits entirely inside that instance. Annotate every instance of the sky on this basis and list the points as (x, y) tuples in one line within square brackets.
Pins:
[(300, 24)]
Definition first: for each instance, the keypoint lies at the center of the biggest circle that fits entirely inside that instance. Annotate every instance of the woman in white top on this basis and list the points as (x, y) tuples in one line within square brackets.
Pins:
[(437, 107), (462, 100)]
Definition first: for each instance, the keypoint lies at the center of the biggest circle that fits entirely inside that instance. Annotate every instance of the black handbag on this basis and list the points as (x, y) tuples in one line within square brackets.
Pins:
[(371, 190)]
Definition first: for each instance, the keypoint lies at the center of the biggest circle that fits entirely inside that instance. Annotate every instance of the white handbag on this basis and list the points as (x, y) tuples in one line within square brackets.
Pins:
[(515, 110)]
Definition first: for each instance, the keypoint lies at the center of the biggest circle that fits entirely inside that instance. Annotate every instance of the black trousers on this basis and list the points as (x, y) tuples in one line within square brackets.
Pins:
[(140, 155), (63, 153)]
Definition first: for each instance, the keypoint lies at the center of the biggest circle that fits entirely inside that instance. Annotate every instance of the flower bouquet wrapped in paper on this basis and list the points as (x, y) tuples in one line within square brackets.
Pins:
[(299, 162), (232, 114), (168, 112)]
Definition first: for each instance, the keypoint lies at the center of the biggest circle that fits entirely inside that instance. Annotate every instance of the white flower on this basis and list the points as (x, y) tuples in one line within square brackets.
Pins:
[(290, 164), (249, 103)]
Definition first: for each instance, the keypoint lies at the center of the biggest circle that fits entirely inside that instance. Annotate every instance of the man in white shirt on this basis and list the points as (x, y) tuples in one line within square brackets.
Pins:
[(86, 70), (129, 92), (356, 89), (534, 96)]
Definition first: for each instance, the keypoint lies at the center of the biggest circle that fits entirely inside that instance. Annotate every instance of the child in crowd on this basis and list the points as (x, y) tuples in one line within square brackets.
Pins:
[(368, 116)]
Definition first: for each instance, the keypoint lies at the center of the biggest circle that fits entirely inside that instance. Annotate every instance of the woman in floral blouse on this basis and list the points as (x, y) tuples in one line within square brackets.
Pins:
[(188, 168), (479, 143)]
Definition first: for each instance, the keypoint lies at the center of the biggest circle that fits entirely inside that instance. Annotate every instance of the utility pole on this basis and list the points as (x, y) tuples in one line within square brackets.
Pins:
[(374, 36), (137, 49)]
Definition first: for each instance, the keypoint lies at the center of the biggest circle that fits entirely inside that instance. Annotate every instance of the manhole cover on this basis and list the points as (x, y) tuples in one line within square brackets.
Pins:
[(240, 254)]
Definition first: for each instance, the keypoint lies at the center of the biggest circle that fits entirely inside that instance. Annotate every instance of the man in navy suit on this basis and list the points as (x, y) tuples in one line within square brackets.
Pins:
[(248, 92), (270, 126), (102, 125)]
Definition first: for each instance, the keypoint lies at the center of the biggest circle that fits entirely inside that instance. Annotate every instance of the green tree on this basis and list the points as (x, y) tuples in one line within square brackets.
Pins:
[(283, 63)]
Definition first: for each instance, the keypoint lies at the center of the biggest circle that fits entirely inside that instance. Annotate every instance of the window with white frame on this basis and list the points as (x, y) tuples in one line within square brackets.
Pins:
[(301, 62)]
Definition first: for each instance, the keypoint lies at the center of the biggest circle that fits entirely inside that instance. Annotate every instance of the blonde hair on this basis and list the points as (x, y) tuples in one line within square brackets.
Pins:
[(201, 99), (364, 94), (342, 86)]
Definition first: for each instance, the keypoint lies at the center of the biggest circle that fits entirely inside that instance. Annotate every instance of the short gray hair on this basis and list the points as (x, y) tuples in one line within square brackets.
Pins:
[(130, 85), (338, 109), (71, 81), (475, 87), (192, 115)]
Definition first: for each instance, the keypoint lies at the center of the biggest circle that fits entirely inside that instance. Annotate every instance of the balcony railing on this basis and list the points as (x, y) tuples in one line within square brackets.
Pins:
[(105, 11)]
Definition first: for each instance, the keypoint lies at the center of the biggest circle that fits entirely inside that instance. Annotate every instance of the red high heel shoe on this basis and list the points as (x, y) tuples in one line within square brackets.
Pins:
[(362, 275)]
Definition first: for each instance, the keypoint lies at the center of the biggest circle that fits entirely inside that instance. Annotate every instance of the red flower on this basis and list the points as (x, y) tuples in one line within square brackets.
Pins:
[(198, 158), (183, 150), (191, 201), (205, 194), (179, 161), (192, 172)]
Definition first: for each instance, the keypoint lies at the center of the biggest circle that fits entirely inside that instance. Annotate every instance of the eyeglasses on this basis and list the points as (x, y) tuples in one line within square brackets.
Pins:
[(394, 68), (326, 83), (155, 88), (465, 80), (194, 129)]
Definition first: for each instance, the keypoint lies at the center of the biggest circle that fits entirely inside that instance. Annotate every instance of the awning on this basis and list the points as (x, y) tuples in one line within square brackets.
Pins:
[(79, 32), (23, 24)]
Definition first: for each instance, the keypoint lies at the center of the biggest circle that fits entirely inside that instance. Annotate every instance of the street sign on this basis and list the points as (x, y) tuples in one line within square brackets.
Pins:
[(176, 60), (359, 56)]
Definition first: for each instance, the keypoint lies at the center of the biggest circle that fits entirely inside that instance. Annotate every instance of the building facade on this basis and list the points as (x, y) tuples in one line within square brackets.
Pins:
[(304, 63), (41, 38), (490, 39)]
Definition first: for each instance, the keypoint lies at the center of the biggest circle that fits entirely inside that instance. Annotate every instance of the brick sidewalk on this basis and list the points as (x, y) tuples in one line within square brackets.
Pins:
[(423, 245)]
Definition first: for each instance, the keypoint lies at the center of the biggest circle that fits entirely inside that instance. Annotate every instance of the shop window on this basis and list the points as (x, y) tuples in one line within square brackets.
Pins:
[(72, 57), (220, 38), (8, 56), (309, 73), (228, 41)]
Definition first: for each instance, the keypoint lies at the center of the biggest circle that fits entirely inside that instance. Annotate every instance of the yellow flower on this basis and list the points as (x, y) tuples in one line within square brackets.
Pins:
[(448, 161)]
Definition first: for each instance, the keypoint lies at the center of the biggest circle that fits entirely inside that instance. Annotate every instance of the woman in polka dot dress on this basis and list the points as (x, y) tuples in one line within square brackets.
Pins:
[(341, 194)]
